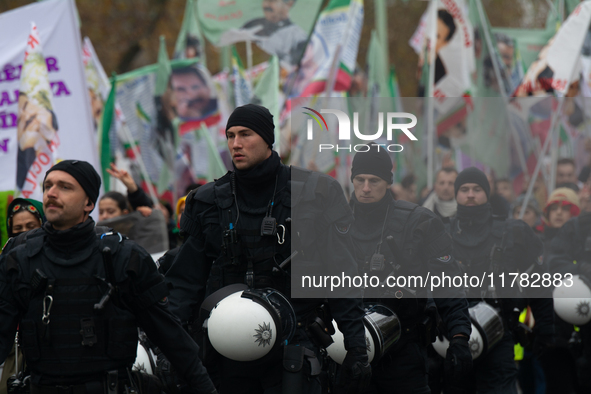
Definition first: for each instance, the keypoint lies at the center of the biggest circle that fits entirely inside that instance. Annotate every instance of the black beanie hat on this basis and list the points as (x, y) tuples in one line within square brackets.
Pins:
[(375, 161), (255, 117), (84, 173), (472, 175)]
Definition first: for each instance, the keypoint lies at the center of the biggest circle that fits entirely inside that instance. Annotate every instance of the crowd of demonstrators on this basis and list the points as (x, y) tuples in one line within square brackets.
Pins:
[(232, 246)]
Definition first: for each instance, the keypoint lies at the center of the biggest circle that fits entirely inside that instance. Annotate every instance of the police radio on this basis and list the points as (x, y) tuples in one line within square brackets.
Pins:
[(269, 224)]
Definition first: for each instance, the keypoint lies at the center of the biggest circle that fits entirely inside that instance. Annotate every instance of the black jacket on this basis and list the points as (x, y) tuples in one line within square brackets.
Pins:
[(72, 261), (422, 247), (202, 266), (475, 232)]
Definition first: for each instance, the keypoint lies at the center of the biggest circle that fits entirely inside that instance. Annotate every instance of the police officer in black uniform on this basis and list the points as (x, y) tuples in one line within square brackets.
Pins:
[(403, 239), (231, 240), (483, 243), (78, 299), (570, 253)]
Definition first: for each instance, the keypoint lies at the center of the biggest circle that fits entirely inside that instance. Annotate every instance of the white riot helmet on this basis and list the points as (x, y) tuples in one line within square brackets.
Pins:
[(144, 361), (573, 303), (246, 324), (487, 331), (382, 331)]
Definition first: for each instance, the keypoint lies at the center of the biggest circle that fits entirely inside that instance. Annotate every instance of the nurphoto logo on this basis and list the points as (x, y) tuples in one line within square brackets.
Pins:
[(392, 123)]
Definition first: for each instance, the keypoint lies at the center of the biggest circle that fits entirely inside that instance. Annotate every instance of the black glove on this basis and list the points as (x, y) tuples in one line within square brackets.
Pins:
[(354, 375), (542, 343), (167, 375), (583, 375), (458, 366)]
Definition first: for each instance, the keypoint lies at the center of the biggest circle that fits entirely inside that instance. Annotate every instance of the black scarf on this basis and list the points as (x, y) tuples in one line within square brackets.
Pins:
[(255, 186), (75, 239), (473, 224), (369, 217)]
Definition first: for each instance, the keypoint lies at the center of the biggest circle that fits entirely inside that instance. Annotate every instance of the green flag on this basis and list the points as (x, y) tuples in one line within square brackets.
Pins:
[(190, 42), (378, 72), (217, 169), (104, 141), (164, 70), (266, 93)]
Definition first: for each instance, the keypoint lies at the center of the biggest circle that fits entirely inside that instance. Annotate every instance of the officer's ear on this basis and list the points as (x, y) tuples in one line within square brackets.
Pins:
[(89, 205)]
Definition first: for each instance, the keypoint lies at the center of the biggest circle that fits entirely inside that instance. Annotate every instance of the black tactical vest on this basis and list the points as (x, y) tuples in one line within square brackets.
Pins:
[(505, 235), (63, 335), (247, 256)]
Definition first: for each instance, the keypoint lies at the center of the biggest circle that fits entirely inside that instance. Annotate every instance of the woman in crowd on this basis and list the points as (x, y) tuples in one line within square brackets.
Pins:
[(23, 215)]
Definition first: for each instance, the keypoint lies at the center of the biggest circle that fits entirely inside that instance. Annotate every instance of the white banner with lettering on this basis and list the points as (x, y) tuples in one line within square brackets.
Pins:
[(57, 25)]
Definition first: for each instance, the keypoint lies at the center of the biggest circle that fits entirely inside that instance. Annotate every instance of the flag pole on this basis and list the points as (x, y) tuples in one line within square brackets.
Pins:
[(549, 137), (431, 86), (381, 17), (502, 88)]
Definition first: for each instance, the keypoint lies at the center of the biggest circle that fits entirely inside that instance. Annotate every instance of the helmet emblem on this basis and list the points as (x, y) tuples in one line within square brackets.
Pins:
[(474, 345), (264, 334), (367, 344), (583, 308)]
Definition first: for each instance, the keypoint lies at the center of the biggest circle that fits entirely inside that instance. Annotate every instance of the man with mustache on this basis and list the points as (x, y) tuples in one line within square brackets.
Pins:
[(191, 94), (78, 298)]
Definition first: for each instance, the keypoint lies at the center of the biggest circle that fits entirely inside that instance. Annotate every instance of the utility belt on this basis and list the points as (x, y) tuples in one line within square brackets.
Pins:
[(114, 382)]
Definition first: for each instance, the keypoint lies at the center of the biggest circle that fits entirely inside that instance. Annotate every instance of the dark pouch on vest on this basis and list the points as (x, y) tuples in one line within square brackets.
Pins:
[(293, 374), (29, 340), (231, 245), (319, 333), (123, 338)]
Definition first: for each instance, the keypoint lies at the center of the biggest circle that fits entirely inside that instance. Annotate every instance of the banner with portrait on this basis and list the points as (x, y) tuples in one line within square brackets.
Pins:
[(166, 126), (279, 27)]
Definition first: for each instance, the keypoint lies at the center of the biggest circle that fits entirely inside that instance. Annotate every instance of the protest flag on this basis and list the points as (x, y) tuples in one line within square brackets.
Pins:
[(216, 168), (329, 60), (190, 42), (37, 122), (266, 93), (242, 86)]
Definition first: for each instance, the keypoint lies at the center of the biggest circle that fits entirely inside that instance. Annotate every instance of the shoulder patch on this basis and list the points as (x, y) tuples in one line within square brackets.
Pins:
[(444, 259), (342, 228)]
